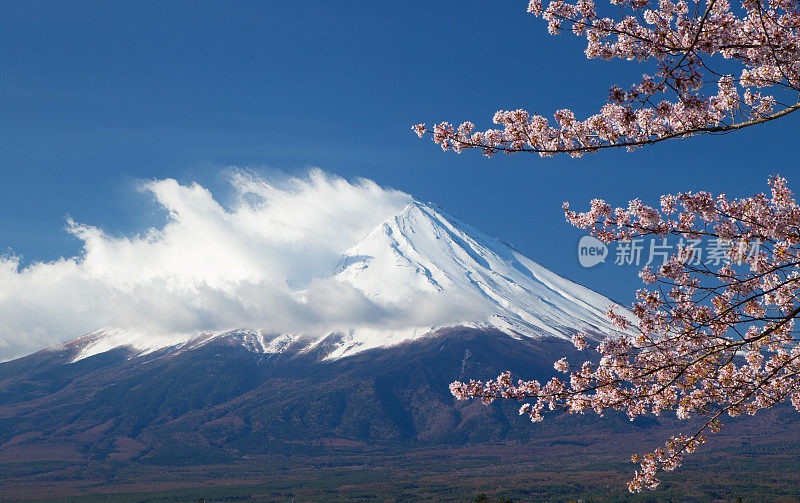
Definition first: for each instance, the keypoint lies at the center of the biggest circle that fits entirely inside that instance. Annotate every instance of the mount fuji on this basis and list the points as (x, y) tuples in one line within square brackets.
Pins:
[(120, 399)]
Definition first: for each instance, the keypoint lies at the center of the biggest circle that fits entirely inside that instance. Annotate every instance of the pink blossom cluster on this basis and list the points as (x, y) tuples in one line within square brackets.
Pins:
[(684, 41), (706, 342)]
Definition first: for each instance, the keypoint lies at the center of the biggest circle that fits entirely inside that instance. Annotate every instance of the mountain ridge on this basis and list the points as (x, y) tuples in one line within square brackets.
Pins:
[(424, 270)]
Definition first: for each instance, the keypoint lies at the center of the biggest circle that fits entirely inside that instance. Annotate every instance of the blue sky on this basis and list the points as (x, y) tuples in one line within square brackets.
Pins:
[(97, 96)]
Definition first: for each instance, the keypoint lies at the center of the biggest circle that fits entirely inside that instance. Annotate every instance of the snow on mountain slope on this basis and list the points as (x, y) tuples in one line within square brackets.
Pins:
[(422, 253), (423, 249)]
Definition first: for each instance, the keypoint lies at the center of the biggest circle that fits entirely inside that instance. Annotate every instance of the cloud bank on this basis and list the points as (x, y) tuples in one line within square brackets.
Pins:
[(259, 262)]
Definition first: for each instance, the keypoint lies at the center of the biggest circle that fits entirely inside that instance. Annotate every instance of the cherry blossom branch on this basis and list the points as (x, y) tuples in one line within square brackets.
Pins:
[(765, 43), (706, 342), (461, 143)]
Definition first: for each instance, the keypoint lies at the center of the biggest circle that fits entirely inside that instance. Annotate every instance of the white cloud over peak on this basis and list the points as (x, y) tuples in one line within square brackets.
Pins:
[(261, 262)]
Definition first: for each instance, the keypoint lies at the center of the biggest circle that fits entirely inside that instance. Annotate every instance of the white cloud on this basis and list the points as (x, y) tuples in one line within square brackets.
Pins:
[(259, 262)]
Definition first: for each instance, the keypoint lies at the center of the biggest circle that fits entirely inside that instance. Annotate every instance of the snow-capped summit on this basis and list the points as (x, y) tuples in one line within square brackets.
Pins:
[(419, 261), (424, 249)]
